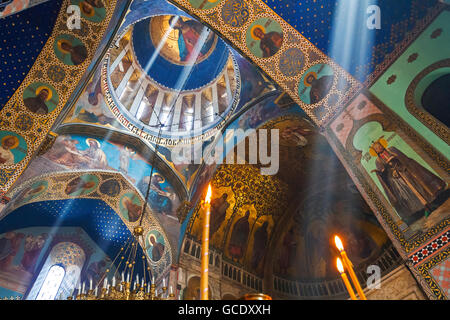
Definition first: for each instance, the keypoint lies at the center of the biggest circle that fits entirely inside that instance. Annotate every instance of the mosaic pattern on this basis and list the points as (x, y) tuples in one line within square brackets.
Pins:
[(430, 249), (265, 38), (441, 273), (55, 186), (48, 85)]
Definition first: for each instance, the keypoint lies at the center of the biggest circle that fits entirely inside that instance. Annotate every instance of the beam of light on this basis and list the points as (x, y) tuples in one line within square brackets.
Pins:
[(351, 40)]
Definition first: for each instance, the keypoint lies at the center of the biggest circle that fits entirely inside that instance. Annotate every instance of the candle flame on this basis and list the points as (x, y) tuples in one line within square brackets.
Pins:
[(208, 194), (338, 243), (339, 265)]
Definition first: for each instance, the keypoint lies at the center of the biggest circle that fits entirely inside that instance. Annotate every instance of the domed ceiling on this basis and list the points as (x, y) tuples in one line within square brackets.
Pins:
[(173, 78)]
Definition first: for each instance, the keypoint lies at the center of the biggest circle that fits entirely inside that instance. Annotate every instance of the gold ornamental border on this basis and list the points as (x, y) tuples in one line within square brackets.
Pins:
[(344, 85), (56, 184), (15, 117)]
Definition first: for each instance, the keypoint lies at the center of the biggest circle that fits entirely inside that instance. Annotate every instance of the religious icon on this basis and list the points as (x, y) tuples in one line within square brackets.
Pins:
[(9, 248), (316, 83), (81, 185), (259, 245), (161, 195), (94, 156), (239, 237), (219, 208), (70, 50), (110, 187), (182, 45), (412, 189), (155, 245), (33, 191), (131, 206), (40, 98), (264, 37), (32, 248), (12, 148), (92, 10)]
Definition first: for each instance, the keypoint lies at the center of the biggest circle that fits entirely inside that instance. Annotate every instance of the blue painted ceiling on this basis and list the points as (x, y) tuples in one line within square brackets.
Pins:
[(319, 20), (22, 37), (96, 218)]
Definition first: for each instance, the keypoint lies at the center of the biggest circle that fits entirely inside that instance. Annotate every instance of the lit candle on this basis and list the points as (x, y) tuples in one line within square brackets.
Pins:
[(128, 277), (171, 290), (90, 284), (205, 246), (105, 283), (142, 283), (340, 268), (123, 277), (137, 278), (114, 282), (349, 266), (164, 283)]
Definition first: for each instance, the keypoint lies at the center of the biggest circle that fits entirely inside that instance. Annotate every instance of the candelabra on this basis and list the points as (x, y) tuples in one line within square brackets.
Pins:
[(126, 289)]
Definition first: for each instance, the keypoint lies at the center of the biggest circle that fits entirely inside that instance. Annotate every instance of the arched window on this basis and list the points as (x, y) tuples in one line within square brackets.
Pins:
[(52, 282), (436, 99)]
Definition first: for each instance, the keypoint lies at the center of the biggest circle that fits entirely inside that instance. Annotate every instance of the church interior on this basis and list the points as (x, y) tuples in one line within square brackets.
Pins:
[(224, 150)]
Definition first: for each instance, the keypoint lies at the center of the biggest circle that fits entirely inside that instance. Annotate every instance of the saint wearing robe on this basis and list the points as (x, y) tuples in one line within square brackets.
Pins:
[(8, 143), (78, 53), (157, 249), (259, 245), (319, 86), (412, 189), (37, 104), (219, 208), (270, 42), (239, 237)]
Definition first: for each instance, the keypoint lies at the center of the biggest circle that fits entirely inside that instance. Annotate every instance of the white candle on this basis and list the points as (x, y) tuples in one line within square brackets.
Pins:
[(114, 281), (153, 279), (90, 284), (96, 290), (123, 277), (82, 290), (134, 287), (148, 288), (164, 282), (170, 290), (79, 287), (142, 282), (128, 277), (137, 278), (105, 283)]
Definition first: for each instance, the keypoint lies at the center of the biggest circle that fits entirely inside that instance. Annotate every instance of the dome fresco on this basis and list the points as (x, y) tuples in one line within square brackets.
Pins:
[(302, 131)]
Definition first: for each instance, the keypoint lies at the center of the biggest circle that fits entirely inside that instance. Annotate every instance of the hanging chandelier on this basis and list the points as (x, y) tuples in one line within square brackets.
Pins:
[(129, 287)]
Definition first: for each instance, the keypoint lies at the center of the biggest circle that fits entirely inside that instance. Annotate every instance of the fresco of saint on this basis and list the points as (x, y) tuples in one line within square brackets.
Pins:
[(157, 249), (412, 189), (319, 86), (239, 237), (7, 144), (270, 42), (219, 208), (37, 104), (189, 32)]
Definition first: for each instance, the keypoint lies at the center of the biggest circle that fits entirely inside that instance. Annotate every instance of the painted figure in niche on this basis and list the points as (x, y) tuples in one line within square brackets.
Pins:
[(95, 157), (219, 208), (8, 143), (110, 188), (124, 159), (319, 87), (80, 186), (78, 52), (412, 189), (133, 209), (9, 247), (189, 32), (296, 135), (239, 237), (160, 198), (259, 245), (270, 42), (157, 249), (288, 251), (37, 104), (32, 249), (87, 6), (317, 247)]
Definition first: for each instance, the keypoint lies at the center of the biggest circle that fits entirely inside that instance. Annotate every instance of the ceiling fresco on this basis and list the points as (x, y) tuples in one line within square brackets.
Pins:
[(321, 21), (24, 35)]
